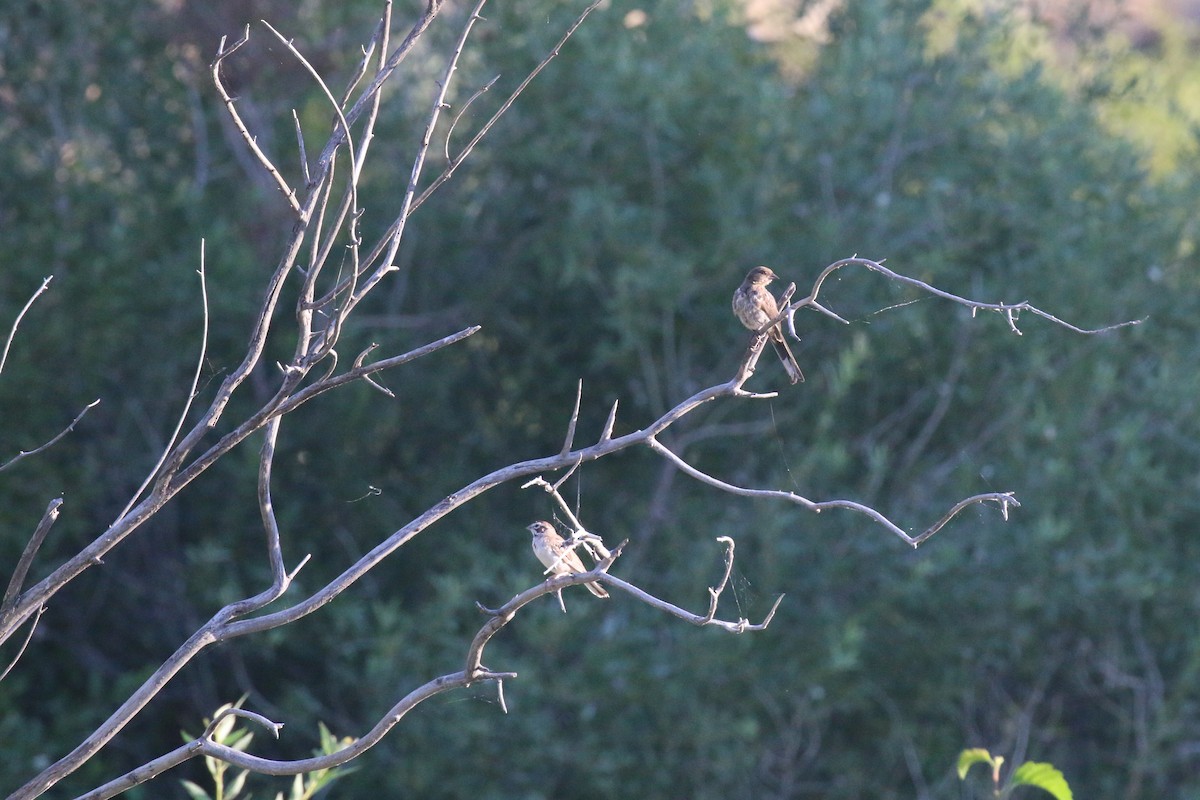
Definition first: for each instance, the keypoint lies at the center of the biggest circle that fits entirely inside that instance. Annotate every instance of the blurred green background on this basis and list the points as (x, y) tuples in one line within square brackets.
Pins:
[(596, 235)]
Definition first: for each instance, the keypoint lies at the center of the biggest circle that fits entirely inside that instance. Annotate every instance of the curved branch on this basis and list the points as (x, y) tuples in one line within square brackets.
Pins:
[(431, 10), (28, 637), (23, 454), (12, 331), (457, 161), (27, 555), (281, 405), (223, 53), (475, 671), (191, 398), (1010, 310), (454, 122), (1004, 500), (272, 727), (225, 624)]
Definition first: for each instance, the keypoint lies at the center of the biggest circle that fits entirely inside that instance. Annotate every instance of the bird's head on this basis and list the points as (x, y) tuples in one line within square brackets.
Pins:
[(760, 276)]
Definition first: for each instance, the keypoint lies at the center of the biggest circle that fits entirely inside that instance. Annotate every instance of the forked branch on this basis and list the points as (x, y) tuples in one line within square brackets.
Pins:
[(1010, 311), (474, 672)]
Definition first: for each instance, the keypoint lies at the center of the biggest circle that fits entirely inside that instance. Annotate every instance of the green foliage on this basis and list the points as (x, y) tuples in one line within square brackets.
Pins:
[(229, 733), (1030, 773), (225, 732)]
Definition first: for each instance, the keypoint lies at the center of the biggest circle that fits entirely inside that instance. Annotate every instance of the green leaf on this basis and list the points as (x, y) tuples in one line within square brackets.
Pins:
[(223, 728), (235, 786), (1043, 776), (969, 758), (239, 739), (194, 791)]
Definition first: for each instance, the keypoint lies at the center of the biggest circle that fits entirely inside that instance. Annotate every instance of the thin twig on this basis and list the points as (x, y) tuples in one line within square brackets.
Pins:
[(430, 12), (714, 593), (606, 434), (569, 440), (12, 332), (300, 148), (320, 252), (1004, 500), (241, 713), (474, 672), (23, 454), (378, 37), (27, 555), (396, 232), (343, 125), (487, 126), (1010, 311), (450, 130), (223, 53), (25, 644), (191, 396)]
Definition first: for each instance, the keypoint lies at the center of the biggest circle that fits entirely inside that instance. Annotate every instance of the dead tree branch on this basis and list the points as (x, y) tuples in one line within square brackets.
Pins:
[(333, 299), (474, 672), (23, 454), (1010, 311), (12, 331)]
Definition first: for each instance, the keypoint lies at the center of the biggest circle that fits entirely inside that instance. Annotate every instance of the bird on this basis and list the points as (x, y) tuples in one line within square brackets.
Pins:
[(550, 549), (754, 306)]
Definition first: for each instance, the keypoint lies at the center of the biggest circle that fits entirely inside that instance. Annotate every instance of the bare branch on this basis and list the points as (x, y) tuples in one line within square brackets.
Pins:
[(430, 12), (487, 126), (1010, 311), (223, 53), (241, 713), (299, 398), (714, 593), (454, 122), (300, 148), (211, 632), (266, 507), (23, 454), (569, 441), (474, 672), (1003, 499), (391, 240), (283, 404), (350, 205), (316, 76), (503, 615), (12, 331), (191, 396), (27, 555), (380, 38), (25, 644), (265, 766), (606, 434)]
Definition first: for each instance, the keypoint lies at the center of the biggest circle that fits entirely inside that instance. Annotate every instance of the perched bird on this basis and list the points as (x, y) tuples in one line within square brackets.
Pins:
[(549, 548), (754, 306)]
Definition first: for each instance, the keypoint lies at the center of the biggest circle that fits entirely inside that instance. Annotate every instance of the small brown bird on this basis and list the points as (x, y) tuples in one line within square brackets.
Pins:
[(754, 306), (549, 548)]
